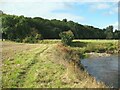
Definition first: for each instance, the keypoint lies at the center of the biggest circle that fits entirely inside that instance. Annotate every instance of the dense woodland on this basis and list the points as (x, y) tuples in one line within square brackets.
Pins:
[(18, 28)]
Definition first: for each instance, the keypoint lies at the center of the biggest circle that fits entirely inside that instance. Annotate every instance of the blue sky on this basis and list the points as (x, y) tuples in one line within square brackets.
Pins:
[(98, 14)]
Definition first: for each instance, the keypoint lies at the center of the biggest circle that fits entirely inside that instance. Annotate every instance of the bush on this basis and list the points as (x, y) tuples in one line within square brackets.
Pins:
[(67, 37), (18, 40), (32, 38), (38, 37)]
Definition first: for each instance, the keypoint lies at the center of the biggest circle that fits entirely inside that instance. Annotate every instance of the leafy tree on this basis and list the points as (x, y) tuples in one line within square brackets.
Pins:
[(65, 20), (117, 34), (109, 35), (34, 36), (17, 28), (67, 37), (109, 32)]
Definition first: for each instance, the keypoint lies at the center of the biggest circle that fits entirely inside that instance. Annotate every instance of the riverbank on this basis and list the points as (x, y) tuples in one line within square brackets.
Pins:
[(49, 64), (104, 68), (95, 48), (44, 66), (95, 55)]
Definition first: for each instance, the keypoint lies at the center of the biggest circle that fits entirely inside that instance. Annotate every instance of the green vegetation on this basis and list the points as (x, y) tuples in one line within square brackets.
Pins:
[(50, 64), (31, 69), (100, 46), (67, 37), (86, 46), (34, 37), (20, 29)]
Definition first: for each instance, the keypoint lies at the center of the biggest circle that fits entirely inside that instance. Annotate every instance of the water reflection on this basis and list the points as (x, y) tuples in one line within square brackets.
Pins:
[(104, 69)]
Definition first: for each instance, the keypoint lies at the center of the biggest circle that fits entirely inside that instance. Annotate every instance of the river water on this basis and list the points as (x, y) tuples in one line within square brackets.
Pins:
[(104, 69)]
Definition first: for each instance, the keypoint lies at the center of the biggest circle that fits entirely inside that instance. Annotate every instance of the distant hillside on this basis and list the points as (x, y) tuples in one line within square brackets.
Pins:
[(19, 27)]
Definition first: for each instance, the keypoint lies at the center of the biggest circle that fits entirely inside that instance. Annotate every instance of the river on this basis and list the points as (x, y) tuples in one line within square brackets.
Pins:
[(104, 69)]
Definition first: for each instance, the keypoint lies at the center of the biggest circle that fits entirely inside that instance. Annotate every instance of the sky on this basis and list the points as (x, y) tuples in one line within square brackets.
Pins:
[(97, 14)]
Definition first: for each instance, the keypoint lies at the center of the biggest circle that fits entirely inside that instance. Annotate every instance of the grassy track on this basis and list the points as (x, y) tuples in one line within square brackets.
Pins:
[(46, 65), (31, 69)]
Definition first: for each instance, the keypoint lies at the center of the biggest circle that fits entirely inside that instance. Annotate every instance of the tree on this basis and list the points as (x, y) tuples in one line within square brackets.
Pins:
[(117, 34), (67, 37), (17, 28), (65, 20), (109, 32)]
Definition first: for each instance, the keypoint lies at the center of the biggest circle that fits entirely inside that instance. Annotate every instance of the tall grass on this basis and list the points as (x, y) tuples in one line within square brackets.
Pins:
[(52, 65)]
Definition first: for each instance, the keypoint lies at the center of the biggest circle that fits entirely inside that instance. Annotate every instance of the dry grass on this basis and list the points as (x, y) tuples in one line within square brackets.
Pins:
[(10, 49), (43, 65)]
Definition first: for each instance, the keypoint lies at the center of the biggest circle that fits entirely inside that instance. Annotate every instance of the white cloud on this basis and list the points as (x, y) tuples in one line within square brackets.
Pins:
[(49, 13), (43, 9), (112, 11), (102, 6), (46, 10), (115, 25), (68, 16), (59, 0), (107, 8), (99, 6)]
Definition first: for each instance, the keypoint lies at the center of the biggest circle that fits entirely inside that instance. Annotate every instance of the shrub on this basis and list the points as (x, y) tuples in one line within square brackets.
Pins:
[(67, 37), (32, 38), (18, 40), (38, 36)]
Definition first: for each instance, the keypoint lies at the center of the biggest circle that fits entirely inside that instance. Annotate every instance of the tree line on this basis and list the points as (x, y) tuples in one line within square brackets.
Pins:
[(18, 28)]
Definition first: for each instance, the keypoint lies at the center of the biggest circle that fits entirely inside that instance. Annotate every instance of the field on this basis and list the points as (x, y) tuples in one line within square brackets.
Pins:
[(49, 64)]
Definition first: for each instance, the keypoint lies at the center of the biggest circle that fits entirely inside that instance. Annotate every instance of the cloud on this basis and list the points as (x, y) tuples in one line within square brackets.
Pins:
[(59, 0), (115, 25), (99, 6), (47, 10), (102, 6), (43, 9), (68, 16), (29, 7), (112, 11), (106, 8)]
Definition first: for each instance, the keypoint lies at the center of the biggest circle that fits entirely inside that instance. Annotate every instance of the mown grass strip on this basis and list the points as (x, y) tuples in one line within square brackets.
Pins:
[(14, 71)]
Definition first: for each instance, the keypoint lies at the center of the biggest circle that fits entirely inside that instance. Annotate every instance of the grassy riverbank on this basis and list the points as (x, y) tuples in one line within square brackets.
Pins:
[(50, 64), (87, 46), (95, 46)]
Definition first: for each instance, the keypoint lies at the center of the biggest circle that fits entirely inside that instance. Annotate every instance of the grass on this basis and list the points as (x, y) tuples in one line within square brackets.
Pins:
[(51, 41), (99, 46), (47, 41), (31, 69), (49, 65)]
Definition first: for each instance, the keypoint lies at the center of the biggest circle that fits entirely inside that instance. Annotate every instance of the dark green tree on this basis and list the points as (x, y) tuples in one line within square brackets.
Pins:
[(109, 32), (17, 28), (65, 20), (67, 37)]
